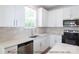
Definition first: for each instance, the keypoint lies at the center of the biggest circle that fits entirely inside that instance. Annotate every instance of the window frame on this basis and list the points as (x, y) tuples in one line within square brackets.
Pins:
[(35, 20)]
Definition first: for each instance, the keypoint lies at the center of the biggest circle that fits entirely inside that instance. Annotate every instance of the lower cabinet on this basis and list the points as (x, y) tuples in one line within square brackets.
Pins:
[(40, 45), (36, 45), (55, 39), (1, 50), (11, 50)]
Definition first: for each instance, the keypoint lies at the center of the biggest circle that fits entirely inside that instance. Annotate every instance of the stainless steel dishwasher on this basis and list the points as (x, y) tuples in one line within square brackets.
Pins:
[(25, 48)]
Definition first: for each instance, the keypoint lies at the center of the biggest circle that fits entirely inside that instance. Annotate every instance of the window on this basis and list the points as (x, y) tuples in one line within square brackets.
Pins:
[(30, 17)]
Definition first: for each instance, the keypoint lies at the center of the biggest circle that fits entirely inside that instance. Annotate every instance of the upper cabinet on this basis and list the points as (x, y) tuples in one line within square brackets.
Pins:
[(12, 16), (42, 17), (7, 16), (55, 18), (59, 18), (19, 16), (71, 12), (75, 12), (51, 18), (67, 13)]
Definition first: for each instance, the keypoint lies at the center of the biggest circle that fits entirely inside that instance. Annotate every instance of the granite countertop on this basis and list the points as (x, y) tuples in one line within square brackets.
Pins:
[(64, 48), (19, 41)]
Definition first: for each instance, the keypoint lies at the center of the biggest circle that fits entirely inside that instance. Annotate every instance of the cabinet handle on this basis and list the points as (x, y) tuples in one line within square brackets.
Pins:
[(14, 22), (40, 44), (55, 41)]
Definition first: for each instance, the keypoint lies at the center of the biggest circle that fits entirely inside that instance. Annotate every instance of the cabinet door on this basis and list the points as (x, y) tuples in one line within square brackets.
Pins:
[(1, 50), (40, 44), (55, 18), (9, 14), (59, 18), (67, 13), (75, 12), (55, 39), (58, 39), (42, 17), (52, 40), (14, 16), (43, 45), (19, 16), (39, 17), (52, 18), (47, 42), (37, 46)]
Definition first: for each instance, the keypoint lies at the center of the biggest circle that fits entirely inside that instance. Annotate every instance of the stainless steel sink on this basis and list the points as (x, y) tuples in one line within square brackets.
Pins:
[(33, 36)]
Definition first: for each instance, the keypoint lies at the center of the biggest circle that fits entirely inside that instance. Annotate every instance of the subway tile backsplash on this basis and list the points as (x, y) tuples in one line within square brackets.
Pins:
[(56, 30), (9, 33)]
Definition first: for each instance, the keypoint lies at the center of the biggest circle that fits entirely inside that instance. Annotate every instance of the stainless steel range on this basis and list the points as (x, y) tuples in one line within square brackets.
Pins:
[(71, 36)]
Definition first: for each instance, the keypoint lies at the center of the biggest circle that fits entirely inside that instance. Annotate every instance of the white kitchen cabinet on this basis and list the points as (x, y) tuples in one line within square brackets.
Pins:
[(42, 17), (58, 38), (12, 16), (67, 13), (11, 50), (52, 40), (40, 44), (51, 19), (75, 12), (71, 13), (55, 39), (47, 42), (7, 16), (59, 18), (55, 18), (19, 16), (36, 46), (1, 50), (44, 44)]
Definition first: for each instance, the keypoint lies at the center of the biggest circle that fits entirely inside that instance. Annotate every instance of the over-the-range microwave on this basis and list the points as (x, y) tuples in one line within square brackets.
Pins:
[(71, 23)]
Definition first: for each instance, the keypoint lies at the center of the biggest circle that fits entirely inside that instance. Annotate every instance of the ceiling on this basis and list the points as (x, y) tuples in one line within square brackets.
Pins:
[(50, 7)]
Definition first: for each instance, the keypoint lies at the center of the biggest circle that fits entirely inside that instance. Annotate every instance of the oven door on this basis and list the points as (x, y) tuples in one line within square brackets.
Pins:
[(70, 38)]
